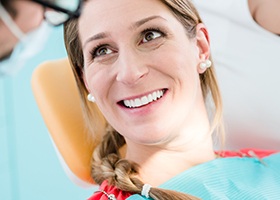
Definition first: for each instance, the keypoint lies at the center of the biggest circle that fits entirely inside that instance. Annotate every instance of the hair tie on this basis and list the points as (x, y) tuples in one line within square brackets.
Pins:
[(145, 190)]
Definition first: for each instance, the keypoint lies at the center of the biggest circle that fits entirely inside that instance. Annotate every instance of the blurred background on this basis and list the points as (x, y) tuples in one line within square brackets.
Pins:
[(29, 166)]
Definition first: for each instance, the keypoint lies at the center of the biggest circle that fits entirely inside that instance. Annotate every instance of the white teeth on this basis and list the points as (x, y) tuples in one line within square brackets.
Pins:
[(143, 100), (150, 98), (154, 96), (137, 102), (132, 103)]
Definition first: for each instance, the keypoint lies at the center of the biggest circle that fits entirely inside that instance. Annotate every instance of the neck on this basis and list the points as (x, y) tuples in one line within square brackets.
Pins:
[(181, 147), (159, 164)]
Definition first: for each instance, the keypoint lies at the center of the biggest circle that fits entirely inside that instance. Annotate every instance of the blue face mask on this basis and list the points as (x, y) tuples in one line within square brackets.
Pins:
[(28, 46)]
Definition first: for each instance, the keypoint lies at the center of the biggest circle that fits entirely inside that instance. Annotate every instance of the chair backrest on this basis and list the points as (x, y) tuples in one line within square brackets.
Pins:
[(58, 100)]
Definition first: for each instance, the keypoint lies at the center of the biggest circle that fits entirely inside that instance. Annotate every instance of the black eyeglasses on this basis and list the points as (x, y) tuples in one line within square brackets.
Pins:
[(60, 10)]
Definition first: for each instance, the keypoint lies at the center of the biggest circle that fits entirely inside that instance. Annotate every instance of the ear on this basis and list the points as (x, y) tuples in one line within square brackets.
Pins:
[(203, 44)]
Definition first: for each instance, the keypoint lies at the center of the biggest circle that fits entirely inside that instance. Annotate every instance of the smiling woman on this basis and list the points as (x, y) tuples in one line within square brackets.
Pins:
[(147, 65)]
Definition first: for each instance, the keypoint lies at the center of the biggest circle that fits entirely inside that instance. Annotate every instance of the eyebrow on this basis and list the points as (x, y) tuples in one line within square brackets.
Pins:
[(145, 20), (96, 37), (134, 26)]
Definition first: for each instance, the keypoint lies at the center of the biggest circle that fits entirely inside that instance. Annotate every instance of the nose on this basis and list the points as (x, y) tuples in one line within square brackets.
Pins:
[(131, 67)]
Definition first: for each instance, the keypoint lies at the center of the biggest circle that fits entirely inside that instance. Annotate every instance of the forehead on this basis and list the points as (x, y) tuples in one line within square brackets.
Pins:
[(104, 15), (102, 8)]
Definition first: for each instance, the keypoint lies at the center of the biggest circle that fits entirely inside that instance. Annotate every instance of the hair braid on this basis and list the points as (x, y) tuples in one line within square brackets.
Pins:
[(122, 173), (107, 164)]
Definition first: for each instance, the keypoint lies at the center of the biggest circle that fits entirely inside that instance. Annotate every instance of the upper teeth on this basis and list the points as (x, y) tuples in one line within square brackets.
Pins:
[(133, 103)]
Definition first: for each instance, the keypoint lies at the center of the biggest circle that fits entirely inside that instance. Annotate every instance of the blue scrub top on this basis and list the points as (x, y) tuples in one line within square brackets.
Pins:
[(229, 178)]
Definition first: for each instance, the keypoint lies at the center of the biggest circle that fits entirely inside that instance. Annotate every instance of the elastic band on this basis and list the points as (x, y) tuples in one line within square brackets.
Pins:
[(9, 22), (145, 190)]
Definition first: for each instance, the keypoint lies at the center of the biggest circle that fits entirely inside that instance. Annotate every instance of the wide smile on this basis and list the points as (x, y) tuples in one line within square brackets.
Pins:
[(144, 100)]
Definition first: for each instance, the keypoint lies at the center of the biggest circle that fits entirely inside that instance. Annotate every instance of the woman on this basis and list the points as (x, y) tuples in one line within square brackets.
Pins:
[(146, 64)]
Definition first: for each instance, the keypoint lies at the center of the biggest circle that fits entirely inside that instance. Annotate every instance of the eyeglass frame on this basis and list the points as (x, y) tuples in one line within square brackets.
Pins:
[(71, 14)]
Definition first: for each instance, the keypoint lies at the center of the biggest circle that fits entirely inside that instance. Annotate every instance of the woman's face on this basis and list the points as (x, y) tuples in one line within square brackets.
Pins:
[(141, 68)]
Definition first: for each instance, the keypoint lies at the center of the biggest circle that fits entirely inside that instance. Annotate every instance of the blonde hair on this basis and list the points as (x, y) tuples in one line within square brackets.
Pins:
[(107, 163)]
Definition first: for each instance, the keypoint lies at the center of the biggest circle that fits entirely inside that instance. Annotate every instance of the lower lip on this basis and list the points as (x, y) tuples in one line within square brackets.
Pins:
[(145, 109)]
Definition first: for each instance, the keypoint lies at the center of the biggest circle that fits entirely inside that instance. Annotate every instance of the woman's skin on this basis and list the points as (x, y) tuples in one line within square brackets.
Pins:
[(136, 49), (266, 14)]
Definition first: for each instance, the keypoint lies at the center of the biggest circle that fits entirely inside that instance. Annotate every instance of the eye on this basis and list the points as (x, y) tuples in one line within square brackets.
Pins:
[(101, 51), (151, 35)]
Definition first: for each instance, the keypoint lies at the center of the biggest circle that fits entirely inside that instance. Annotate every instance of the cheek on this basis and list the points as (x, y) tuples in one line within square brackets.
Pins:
[(98, 82), (175, 60), (7, 42), (179, 62), (92, 80)]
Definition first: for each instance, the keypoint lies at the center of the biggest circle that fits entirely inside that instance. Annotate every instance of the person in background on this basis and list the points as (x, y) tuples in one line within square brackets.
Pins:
[(17, 18), (25, 27), (25, 146), (146, 64)]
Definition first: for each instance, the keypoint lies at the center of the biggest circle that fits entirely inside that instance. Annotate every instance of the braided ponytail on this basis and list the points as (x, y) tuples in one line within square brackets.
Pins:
[(123, 174)]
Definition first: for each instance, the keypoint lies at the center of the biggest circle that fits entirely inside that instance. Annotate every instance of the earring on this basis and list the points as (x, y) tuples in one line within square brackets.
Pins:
[(205, 64), (91, 98)]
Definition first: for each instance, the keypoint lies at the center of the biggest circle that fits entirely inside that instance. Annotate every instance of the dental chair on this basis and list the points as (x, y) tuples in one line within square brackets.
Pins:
[(58, 100)]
